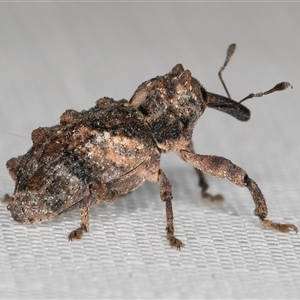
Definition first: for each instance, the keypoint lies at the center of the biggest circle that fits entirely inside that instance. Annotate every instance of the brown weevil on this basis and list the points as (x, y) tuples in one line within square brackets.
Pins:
[(109, 150)]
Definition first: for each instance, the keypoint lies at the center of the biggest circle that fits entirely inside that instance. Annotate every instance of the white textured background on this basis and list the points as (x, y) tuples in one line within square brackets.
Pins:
[(56, 56)]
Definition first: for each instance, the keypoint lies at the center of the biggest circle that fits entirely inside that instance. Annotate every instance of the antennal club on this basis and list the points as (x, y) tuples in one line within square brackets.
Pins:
[(230, 52), (278, 87)]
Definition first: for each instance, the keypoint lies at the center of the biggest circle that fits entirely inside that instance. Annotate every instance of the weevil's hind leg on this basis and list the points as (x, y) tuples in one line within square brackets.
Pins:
[(204, 185), (165, 187), (84, 225), (95, 193), (223, 168)]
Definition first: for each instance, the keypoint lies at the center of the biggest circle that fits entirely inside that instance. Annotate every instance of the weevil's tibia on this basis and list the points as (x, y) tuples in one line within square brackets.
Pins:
[(223, 168), (165, 187), (96, 192), (278, 87), (230, 52)]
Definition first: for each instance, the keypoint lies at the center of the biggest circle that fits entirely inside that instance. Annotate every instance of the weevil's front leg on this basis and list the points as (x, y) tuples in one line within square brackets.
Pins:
[(259, 211), (223, 168), (165, 187), (84, 225)]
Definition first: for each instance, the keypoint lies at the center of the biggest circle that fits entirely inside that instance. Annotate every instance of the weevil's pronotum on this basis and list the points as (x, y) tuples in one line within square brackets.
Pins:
[(109, 150)]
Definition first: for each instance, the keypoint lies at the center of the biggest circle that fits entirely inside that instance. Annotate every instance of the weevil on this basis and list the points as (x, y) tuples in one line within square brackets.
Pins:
[(109, 150)]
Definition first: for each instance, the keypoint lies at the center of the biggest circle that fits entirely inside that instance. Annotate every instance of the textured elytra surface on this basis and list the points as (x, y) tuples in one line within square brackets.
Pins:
[(99, 145)]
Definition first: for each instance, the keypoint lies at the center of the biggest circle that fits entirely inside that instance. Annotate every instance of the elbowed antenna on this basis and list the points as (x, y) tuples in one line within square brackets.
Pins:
[(234, 108), (230, 52), (278, 87)]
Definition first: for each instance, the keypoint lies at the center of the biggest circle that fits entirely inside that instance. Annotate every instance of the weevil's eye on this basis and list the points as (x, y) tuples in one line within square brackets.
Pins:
[(143, 110), (204, 94)]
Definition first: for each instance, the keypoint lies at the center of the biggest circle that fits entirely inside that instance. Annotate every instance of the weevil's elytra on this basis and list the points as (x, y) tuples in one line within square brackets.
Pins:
[(109, 150)]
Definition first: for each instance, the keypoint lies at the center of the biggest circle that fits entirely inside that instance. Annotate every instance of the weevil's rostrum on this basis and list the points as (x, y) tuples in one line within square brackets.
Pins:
[(111, 149)]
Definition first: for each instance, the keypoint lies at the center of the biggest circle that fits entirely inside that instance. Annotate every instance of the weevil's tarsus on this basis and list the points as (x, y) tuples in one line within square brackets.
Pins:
[(230, 52), (165, 187), (278, 87), (284, 228), (84, 226)]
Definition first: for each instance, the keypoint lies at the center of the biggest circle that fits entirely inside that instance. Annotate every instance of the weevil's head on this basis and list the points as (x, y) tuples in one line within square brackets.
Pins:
[(171, 104)]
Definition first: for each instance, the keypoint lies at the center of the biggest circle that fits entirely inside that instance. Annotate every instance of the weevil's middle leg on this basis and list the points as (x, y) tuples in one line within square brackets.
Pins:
[(166, 195), (223, 168), (204, 185)]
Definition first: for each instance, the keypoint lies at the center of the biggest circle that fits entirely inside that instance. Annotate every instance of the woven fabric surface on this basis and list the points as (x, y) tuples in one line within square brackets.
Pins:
[(57, 56)]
